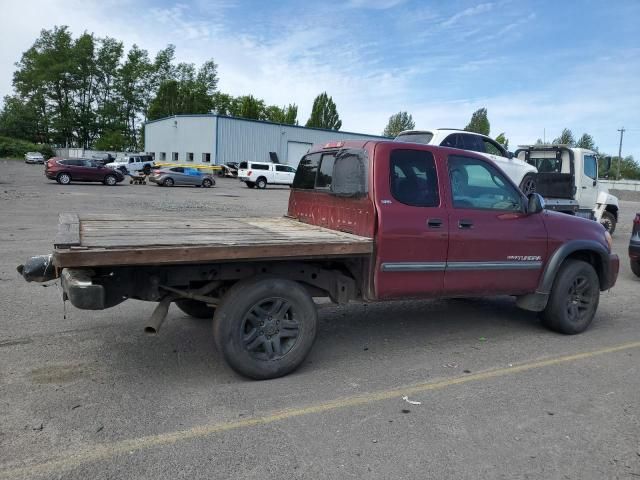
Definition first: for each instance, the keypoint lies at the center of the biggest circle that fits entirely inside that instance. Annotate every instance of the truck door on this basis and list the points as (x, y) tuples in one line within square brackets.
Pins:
[(588, 192), (494, 246), (411, 242)]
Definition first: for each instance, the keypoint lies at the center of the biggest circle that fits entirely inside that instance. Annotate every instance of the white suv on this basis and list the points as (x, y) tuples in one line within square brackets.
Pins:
[(258, 174), (133, 163), (516, 168)]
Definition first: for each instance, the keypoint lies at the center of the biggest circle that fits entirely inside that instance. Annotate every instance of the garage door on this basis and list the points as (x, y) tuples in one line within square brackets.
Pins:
[(295, 151)]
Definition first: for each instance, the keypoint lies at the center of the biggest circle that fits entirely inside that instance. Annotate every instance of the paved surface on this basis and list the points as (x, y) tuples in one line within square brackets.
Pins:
[(88, 395)]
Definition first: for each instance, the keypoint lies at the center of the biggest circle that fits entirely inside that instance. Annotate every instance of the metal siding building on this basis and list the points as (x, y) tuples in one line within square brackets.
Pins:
[(219, 139)]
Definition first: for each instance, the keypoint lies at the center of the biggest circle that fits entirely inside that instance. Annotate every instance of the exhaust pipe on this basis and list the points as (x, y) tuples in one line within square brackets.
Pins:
[(159, 315)]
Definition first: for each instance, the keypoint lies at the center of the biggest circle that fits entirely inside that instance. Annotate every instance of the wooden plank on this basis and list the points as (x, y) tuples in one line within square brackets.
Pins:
[(68, 231), (205, 254)]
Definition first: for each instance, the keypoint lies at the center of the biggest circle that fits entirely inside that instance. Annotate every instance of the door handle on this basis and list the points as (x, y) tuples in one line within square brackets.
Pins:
[(434, 223), (584, 188), (465, 223)]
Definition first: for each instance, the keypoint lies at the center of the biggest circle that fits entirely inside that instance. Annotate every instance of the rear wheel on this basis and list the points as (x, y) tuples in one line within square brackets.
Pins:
[(168, 182), (635, 267), (195, 309), (265, 326), (110, 180), (528, 184), (574, 298), (63, 179), (261, 183), (608, 221), (207, 183), (250, 184)]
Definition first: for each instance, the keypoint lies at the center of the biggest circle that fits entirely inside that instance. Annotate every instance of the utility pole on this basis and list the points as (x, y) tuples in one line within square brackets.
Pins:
[(621, 130)]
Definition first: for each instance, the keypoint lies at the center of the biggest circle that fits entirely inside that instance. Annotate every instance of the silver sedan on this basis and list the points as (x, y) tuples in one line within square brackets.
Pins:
[(168, 177)]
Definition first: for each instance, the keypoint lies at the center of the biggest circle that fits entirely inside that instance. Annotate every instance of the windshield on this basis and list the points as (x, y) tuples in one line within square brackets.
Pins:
[(415, 137)]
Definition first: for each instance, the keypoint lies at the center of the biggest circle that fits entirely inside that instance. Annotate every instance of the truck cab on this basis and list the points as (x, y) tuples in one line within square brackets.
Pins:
[(568, 173)]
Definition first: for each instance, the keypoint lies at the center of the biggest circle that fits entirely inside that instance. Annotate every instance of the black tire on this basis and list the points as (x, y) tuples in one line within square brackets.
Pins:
[(110, 180), (261, 183), (265, 326), (635, 267), (63, 178), (529, 184), (168, 182), (207, 183), (123, 169), (195, 309), (574, 298), (250, 184), (608, 221)]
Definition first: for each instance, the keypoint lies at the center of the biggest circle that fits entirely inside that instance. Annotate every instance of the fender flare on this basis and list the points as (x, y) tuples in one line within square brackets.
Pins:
[(538, 301), (605, 198)]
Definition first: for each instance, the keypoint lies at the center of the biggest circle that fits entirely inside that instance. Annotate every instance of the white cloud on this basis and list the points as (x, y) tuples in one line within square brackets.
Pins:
[(469, 12)]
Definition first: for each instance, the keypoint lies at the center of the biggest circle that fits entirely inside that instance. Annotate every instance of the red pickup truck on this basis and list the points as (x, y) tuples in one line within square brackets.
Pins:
[(367, 221)]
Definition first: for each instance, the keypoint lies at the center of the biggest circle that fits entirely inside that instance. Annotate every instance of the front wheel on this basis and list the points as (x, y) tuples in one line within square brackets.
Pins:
[(529, 184), (207, 183), (608, 221), (265, 326), (574, 298), (110, 180)]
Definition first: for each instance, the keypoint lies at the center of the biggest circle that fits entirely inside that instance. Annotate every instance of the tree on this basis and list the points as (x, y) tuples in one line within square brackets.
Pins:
[(324, 113), (502, 140), (397, 123), (285, 115), (479, 122), (565, 138), (111, 141), (248, 106), (586, 141)]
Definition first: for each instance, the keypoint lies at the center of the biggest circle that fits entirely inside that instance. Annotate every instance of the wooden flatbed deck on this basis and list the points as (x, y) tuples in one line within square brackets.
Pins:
[(110, 240)]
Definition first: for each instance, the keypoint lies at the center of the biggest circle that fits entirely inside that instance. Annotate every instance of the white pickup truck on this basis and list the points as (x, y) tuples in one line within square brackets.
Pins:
[(259, 174), (567, 174), (133, 163)]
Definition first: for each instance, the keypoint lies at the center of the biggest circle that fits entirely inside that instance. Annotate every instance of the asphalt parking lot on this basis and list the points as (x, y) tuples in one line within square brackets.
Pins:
[(89, 395)]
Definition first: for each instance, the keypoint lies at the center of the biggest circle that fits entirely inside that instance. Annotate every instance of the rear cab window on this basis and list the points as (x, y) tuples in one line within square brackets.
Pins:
[(340, 172), (414, 180), (259, 166)]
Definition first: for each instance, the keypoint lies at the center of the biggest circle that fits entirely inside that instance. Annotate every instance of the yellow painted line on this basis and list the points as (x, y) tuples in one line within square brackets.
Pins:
[(68, 460)]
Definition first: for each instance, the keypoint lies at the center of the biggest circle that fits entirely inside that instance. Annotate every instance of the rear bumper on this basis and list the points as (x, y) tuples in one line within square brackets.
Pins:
[(79, 289)]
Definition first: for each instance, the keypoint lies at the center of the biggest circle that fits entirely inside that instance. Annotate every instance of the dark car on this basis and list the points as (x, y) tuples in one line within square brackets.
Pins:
[(634, 246), (64, 171)]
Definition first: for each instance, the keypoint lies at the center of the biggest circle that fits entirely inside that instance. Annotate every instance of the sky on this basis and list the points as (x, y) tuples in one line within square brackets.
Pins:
[(537, 66)]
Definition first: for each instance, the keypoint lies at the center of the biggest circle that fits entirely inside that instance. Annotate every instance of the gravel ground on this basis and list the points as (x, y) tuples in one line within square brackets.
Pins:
[(88, 395)]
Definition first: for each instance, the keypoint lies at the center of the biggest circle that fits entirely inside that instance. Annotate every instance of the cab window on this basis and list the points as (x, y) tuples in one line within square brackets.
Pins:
[(413, 178), (493, 148), (477, 184), (591, 166), (325, 173)]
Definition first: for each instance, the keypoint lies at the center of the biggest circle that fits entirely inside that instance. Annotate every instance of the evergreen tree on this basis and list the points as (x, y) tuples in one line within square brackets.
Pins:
[(479, 122), (397, 123), (324, 113)]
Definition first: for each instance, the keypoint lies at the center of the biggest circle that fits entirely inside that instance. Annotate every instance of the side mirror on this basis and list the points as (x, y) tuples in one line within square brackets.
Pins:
[(607, 163), (535, 203)]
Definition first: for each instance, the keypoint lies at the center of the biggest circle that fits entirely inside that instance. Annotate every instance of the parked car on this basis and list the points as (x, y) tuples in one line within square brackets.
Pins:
[(259, 174), (229, 169), (168, 177), (634, 246), (517, 169), (133, 163), (80, 170), (33, 157)]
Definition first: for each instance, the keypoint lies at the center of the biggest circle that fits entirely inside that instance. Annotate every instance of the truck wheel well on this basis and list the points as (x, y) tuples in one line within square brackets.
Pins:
[(613, 210), (591, 258)]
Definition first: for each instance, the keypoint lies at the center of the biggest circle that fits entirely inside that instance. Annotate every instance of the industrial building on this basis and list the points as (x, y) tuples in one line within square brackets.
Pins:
[(218, 139)]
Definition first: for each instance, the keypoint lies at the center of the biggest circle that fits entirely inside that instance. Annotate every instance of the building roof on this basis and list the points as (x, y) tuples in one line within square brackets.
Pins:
[(208, 115)]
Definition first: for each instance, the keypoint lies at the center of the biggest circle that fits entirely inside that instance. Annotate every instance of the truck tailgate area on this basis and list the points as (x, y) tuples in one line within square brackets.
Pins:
[(111, 240)]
